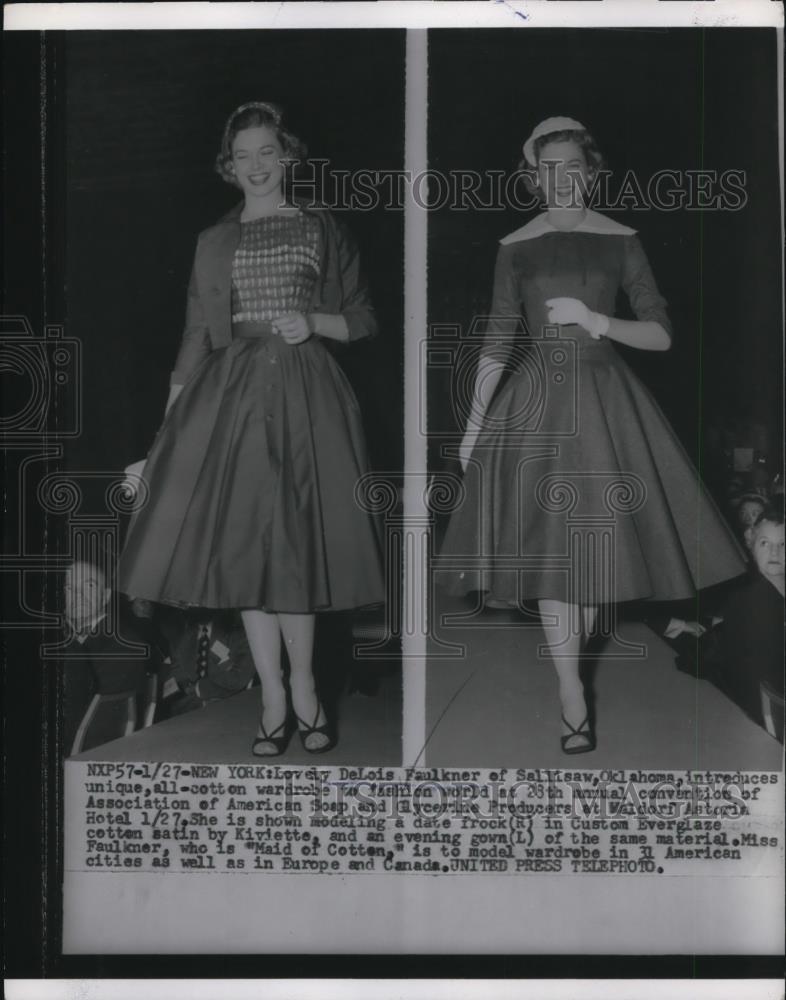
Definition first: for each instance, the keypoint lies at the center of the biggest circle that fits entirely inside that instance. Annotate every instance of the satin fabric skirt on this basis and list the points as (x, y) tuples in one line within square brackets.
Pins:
[(579, 490), (251, 488)]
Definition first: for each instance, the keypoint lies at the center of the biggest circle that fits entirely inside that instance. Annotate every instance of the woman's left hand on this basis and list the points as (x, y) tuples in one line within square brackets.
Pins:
[(566, 311), (293, 328), (132, 475)]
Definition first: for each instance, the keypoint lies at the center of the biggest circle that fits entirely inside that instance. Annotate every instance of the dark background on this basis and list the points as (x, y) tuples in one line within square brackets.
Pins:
[(145, 114), (654, 99)]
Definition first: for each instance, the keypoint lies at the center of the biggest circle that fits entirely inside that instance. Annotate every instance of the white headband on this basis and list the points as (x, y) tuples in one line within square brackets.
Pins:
[(546, 127), (273, 110)]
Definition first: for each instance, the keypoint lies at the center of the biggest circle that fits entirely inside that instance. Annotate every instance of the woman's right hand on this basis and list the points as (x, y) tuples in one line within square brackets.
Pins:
[(174, 392), (467, 447), (133, 473), (294, 328)]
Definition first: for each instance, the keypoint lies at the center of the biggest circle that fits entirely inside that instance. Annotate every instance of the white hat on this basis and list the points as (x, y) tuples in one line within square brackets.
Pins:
[(546, 127)]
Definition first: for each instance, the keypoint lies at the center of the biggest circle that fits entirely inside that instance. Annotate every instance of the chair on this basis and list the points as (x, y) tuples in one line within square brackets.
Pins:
[(127, 723), (772, 710), (151, 700), (129, 697)]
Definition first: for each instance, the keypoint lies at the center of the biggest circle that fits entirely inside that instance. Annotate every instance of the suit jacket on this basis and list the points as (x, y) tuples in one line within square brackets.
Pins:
[(753, 643), (340, 289), (101, 665), (230, 666)]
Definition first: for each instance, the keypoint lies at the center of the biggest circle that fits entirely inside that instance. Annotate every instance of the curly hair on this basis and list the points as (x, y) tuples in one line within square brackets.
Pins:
[(586, 143), (255, 114)]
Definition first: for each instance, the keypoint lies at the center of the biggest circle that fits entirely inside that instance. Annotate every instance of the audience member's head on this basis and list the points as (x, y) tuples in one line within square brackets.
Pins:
[(86, 592), (749, 506), (765, 541)]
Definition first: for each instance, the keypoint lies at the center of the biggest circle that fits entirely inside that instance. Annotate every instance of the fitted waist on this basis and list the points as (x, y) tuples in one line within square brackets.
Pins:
[(253, 330)]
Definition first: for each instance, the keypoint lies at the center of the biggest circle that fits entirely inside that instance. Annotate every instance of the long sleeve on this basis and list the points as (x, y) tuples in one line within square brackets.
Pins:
[(117, 669), (505, 319), (639, 283), (195, 345), (356, 307)]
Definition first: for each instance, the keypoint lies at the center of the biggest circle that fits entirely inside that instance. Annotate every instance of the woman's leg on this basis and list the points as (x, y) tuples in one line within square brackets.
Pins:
[(264, 640), (298, 632), (565, 640)]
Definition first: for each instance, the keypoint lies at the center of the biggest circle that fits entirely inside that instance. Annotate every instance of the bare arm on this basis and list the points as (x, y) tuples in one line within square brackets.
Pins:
[(328, 325), (174, 392), (502, 325), (647, 335), (489, 373)]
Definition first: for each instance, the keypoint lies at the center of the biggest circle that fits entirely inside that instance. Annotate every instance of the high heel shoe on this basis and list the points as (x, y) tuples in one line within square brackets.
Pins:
[(324, 730), (584, 732), (279, 743)]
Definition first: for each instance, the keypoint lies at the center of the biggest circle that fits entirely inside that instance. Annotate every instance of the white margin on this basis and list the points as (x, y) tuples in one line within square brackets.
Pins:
[(392, 989), (393, 14)]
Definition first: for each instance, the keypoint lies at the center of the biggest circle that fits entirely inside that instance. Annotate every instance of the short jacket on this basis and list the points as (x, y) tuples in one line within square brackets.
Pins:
[(340, 288)]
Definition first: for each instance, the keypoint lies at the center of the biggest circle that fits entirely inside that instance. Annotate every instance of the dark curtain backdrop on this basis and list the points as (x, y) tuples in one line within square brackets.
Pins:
[(144, 116), (655, 99)]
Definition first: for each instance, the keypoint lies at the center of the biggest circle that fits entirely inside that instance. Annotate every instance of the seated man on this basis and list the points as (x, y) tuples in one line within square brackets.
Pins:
[(209, 658), (753, 620), (694, 642), (99, 656)]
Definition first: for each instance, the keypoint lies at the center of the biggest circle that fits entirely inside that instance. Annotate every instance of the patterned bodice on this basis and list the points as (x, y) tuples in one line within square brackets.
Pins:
[(275, 267)]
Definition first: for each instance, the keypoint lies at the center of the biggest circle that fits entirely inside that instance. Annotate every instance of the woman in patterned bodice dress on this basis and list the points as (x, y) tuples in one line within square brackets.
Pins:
[(250, 481), (577, 492)]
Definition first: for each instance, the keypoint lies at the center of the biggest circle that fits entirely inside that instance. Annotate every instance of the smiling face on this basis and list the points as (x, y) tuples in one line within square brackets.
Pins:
[(256, 162), (766, 544), (85, 594), (563, 174)]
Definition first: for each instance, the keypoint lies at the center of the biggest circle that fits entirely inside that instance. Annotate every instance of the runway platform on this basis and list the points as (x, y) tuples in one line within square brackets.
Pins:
[(498, 706)]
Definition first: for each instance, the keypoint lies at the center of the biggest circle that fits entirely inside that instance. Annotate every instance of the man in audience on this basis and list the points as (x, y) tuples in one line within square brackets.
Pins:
[(209, 659), (101, 654), (753, 620)]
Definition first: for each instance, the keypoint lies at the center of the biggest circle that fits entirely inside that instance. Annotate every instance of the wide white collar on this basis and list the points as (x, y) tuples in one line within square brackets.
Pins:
[(593, 222)]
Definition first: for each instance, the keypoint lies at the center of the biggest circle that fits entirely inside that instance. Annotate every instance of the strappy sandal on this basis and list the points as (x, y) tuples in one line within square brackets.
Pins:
[(324, 730), (582, 731), (279, 743)]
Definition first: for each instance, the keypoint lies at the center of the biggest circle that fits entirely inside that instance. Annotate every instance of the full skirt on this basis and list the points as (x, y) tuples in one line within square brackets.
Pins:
[(578, 490), (251, 485)]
